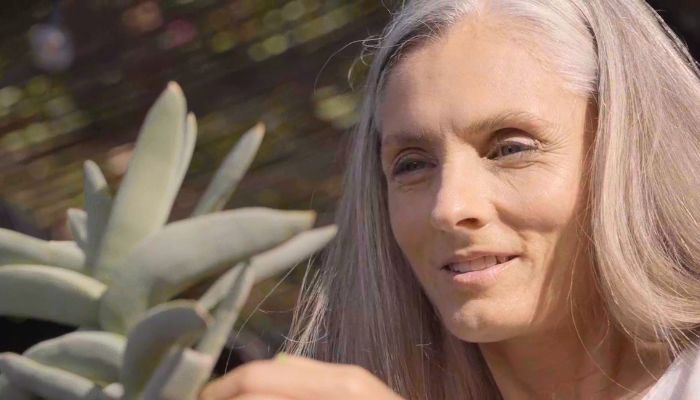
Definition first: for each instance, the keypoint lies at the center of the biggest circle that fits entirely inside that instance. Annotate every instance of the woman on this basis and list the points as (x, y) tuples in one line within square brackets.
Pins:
[(520, 216)]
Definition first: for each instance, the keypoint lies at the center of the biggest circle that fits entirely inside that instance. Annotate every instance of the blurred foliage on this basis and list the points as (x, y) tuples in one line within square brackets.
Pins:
[(284, 62)]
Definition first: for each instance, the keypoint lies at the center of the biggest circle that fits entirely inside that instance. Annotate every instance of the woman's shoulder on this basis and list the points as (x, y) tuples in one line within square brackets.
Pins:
[(681, 381)]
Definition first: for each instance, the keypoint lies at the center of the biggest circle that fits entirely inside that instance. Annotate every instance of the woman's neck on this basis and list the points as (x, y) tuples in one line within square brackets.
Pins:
[(569, 362)]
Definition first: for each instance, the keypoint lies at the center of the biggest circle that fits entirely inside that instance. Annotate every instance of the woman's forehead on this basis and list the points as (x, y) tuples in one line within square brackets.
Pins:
[(467, 78)]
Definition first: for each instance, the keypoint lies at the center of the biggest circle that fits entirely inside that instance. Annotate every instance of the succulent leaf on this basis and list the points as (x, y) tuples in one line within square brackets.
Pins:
[(222, 286), (114, 391), (185, 252), (226, 314), (180, 376), (146, 195), (176, 323), (35, 291), (189, 141), (18, 248), (300, 247), (94, 355), (61, 248), (48, 382), (271, 262), (77, 223), (231, 172), (98, 205)]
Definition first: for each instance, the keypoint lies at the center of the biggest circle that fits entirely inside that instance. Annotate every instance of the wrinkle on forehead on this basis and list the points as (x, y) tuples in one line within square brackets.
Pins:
[(479, 126)]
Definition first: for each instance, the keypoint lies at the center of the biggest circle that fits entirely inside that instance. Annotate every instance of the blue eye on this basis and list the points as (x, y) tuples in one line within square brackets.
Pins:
[(409, 166), (507, 149)]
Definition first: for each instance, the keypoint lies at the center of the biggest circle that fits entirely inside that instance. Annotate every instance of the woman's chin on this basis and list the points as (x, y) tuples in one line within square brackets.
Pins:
[(481, 336), (474, 328)]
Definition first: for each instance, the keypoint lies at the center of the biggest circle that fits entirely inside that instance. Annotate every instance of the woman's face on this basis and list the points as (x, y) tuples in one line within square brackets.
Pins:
[(483, 153)]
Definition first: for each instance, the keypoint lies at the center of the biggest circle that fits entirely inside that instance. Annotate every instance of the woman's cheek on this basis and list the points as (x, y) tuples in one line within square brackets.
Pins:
[(409, 223), (545, 199)]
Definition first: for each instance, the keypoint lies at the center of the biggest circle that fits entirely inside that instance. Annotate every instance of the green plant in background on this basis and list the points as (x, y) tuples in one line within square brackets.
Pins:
[(117, 280)]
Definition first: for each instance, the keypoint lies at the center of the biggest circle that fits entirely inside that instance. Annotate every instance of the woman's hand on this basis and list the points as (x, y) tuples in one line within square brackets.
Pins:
[(297, 378)]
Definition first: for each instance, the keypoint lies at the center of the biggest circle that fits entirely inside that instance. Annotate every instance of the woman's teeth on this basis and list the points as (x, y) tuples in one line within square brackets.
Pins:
[(477, 264)]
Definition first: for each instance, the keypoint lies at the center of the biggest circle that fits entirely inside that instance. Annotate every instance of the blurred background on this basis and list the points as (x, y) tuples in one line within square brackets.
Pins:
[(77, 77)]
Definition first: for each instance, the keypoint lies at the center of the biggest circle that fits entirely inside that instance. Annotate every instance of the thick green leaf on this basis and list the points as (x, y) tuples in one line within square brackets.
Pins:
[(271, 262), (226, 314), (98, 205), (187, 151), (180, 376), (18, 248), (231, 172), (300, 247), (94, 355), (213, 296), (64, 247), (185, 252), (146, 194), (177, 323), (114, 391), (77, 223), (47, 382), (49, 293)]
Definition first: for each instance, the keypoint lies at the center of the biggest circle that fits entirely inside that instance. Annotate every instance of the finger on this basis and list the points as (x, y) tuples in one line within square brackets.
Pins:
[(305, 361), (253, 396), (294, 377)]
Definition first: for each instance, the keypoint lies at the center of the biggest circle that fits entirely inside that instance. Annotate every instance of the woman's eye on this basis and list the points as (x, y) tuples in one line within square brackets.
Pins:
[(507, 149), (409, 165)]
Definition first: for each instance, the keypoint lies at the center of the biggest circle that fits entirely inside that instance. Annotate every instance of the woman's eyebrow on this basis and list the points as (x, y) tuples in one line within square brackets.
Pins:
[(487, 124), (406, 138), (502, 120)]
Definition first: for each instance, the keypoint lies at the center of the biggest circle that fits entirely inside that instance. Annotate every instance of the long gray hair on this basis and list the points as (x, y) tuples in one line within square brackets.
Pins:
[(365, 307)]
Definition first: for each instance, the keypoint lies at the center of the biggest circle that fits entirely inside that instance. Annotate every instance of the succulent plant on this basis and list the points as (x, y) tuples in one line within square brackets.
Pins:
[(119, 280)]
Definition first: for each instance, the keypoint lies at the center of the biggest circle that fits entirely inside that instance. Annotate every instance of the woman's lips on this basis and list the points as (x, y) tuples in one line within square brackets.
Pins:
[(476, 279), (477, 264)]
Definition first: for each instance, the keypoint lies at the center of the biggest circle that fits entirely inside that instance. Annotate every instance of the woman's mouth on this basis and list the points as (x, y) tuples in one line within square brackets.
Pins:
[(478, 264), (478, 273)]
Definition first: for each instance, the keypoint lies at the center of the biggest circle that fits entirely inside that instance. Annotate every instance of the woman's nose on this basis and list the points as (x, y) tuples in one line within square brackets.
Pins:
[(462, 198)]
